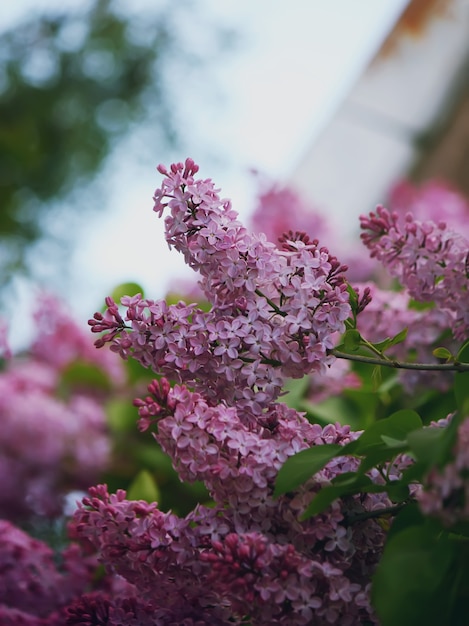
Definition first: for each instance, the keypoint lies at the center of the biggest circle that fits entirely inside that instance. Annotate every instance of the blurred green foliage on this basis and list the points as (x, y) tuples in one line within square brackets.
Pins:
[(70, 85)]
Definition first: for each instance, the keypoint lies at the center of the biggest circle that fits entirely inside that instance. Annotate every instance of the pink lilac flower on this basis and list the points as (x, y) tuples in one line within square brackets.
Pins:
[(388, 313), (281, 209), (33, 586), (60, 340), (54, 436), (432, 200), (102, 608), (282, 571), (275, 312), (428, 259), (48, 444), (43, 588), (203, 565)]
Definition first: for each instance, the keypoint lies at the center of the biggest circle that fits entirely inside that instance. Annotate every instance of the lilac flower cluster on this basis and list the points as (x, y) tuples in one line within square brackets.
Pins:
[(249, 555), (275, 312), (429, 260), (280, 209), (32, 586), (432, 200), (52, 440), (387, 314), (47, 445), (43, 588)]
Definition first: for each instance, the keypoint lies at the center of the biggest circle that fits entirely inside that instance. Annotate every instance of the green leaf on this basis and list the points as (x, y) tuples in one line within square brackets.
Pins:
[(461, 392), (409, 584), (442, 353), (377, 456), (353, 295), (126, 289), (393, 443), (322, 500), (353, 301), (352, 340), (397, 491), (329, 411), (463, 353), (296, 389), (300, 467), (399, 338), (429, 445), (352, 484), (143, 487), (397, 426), (376, 377), (410, 515), (391, 341), (121, 416), (81, 374)]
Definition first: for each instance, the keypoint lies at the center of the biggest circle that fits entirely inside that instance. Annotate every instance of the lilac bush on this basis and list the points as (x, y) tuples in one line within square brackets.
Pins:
[(302, 522), (277, 312)]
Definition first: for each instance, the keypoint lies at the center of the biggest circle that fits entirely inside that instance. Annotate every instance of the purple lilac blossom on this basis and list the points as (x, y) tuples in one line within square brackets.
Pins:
[(42, 588), (391, 311), (275, 312), (34, 589), (428, 259), (48, 444), (281, 209), (433, 200), (52, 440)]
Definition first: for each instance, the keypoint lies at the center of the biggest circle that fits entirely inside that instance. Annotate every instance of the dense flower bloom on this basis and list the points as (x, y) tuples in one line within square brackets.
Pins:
[(432, 200), (249, 554), (34, 589), (53, 438), (429, 260), (275, 312), (40, 587), (282, 209), (388, 313), (47, 444), (101, 608)]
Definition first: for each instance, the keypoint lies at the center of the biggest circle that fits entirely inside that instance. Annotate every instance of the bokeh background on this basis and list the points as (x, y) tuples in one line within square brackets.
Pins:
[(338, 99)]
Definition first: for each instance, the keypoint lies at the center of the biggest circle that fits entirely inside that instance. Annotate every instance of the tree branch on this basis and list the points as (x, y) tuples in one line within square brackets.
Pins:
[(455, 367)]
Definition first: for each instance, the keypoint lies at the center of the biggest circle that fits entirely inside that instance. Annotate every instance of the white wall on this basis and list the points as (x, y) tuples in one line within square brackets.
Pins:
[(370, 140)]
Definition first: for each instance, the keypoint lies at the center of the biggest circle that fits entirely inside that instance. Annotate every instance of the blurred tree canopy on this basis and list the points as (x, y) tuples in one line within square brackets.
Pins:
[(70, 85)]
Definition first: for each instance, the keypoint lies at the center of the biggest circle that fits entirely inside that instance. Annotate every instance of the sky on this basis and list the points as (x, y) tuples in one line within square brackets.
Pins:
[(291, 66)]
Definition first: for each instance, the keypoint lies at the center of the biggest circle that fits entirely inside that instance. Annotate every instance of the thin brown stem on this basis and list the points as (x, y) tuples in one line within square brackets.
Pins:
[(353, 518)]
